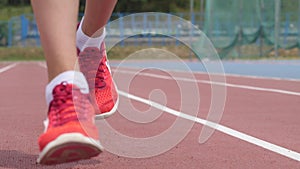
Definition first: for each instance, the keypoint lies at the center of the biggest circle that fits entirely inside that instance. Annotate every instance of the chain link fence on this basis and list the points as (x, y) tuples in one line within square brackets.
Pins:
[(243, 28), (237, 28)]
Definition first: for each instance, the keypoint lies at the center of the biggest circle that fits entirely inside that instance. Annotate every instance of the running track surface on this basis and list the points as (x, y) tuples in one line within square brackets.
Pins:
[(265, 112)]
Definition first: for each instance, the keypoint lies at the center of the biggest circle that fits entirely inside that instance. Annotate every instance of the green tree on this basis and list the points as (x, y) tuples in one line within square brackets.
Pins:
[(17, 2), (152, 6)]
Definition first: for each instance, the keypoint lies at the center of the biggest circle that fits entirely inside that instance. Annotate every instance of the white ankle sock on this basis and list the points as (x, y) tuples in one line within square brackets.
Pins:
[(71, 77), (83, 41)]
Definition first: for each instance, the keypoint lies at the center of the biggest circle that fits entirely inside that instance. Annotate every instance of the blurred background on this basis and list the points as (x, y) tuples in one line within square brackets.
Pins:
[(239, 29)]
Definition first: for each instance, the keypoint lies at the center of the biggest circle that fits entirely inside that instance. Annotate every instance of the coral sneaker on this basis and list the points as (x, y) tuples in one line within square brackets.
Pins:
[(70, 133), (94, 65)]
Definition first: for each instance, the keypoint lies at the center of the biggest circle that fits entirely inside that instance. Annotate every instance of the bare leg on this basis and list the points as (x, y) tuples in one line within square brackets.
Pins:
[(90, 38), (97, 13), (57, 21)]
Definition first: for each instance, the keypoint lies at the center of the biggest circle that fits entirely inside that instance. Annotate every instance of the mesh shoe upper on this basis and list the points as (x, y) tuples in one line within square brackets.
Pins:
[(70, 111), (93, 64)]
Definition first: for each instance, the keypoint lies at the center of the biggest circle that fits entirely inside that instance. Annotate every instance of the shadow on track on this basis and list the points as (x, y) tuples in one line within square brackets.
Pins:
[(21, 160)]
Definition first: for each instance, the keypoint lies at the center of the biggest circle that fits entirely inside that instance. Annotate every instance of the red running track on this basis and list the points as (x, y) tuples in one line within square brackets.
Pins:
[(266, 115)]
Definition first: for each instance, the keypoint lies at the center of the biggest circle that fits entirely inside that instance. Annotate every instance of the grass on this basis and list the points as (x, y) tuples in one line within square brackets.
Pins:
[(21, 54), (118, 53), (7, 12)]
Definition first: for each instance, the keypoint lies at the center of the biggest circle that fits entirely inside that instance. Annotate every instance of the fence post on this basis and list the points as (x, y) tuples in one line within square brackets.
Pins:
[(277, 26), (150, 35), (10, 33), (169, 22), (202, 17), (145, 26), (121, 28), (298, 27), (262, 16), (177, 36), (134, 29), (240, 33), (24, 28), (192, 18), (158, 28), (286, 29), (208, 18)]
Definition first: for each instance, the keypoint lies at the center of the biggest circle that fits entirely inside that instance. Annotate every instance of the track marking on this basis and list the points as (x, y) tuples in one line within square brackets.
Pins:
[(247, 76), (219, 74), (229, 75), (214, 83), (6, 68), (208, 82), (42, 64), (234, 133)]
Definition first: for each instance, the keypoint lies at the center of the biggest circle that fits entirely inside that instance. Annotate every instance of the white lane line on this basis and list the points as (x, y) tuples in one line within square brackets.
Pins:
[(6, 68), (207, 82), (234, 133), (248, 76), (42, 64), (213, 83), (228, 74)]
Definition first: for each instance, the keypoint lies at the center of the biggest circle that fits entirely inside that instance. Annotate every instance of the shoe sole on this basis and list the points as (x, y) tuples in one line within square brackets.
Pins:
[(111, 112), (69, 147)]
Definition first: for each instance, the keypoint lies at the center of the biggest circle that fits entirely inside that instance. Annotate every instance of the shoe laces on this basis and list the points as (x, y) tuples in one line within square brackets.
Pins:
[(101, 75), (62, 107)]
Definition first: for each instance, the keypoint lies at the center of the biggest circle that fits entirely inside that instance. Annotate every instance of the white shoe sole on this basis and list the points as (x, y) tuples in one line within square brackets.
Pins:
[(69, 147)]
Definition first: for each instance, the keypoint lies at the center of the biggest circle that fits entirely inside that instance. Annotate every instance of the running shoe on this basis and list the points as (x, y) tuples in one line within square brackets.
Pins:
[(70, 131), (94, 65)]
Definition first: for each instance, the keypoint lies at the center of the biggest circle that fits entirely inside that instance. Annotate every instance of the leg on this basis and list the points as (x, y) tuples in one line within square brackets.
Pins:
[(93, 55), (57, 22), (96, 15), (70, 133)]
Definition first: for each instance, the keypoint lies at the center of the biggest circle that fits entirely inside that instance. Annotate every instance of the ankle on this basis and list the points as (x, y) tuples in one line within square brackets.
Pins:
[(87, 39), (91, 30)]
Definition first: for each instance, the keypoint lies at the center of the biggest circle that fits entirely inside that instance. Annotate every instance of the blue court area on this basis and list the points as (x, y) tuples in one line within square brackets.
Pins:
[(285, 69)]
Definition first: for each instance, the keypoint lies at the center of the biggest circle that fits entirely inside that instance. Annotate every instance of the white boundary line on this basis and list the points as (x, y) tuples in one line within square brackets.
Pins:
[(234, 133), (248, 76), (214, 83), (6, 68), (42, 64)]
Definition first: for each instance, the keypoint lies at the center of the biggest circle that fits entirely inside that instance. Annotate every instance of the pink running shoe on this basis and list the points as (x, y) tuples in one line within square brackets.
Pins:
[(94, 65), (70, 133)]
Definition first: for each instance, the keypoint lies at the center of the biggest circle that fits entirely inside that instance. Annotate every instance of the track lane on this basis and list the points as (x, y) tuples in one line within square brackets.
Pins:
[(221, 151)]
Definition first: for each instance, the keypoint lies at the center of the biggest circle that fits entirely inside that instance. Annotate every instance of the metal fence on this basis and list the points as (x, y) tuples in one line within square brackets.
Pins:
[(19, 31), (149, 30), (241, 28), (22, 30)]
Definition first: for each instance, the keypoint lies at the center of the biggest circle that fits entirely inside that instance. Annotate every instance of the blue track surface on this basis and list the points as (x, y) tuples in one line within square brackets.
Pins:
[(285, 69)]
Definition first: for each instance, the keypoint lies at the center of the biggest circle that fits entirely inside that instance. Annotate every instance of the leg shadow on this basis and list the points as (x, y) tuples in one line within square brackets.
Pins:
[(21, 160)]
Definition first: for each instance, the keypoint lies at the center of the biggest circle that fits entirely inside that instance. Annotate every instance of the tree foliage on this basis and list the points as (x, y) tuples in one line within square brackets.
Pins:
[(15, 2), (152, 6), (129, 5)]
